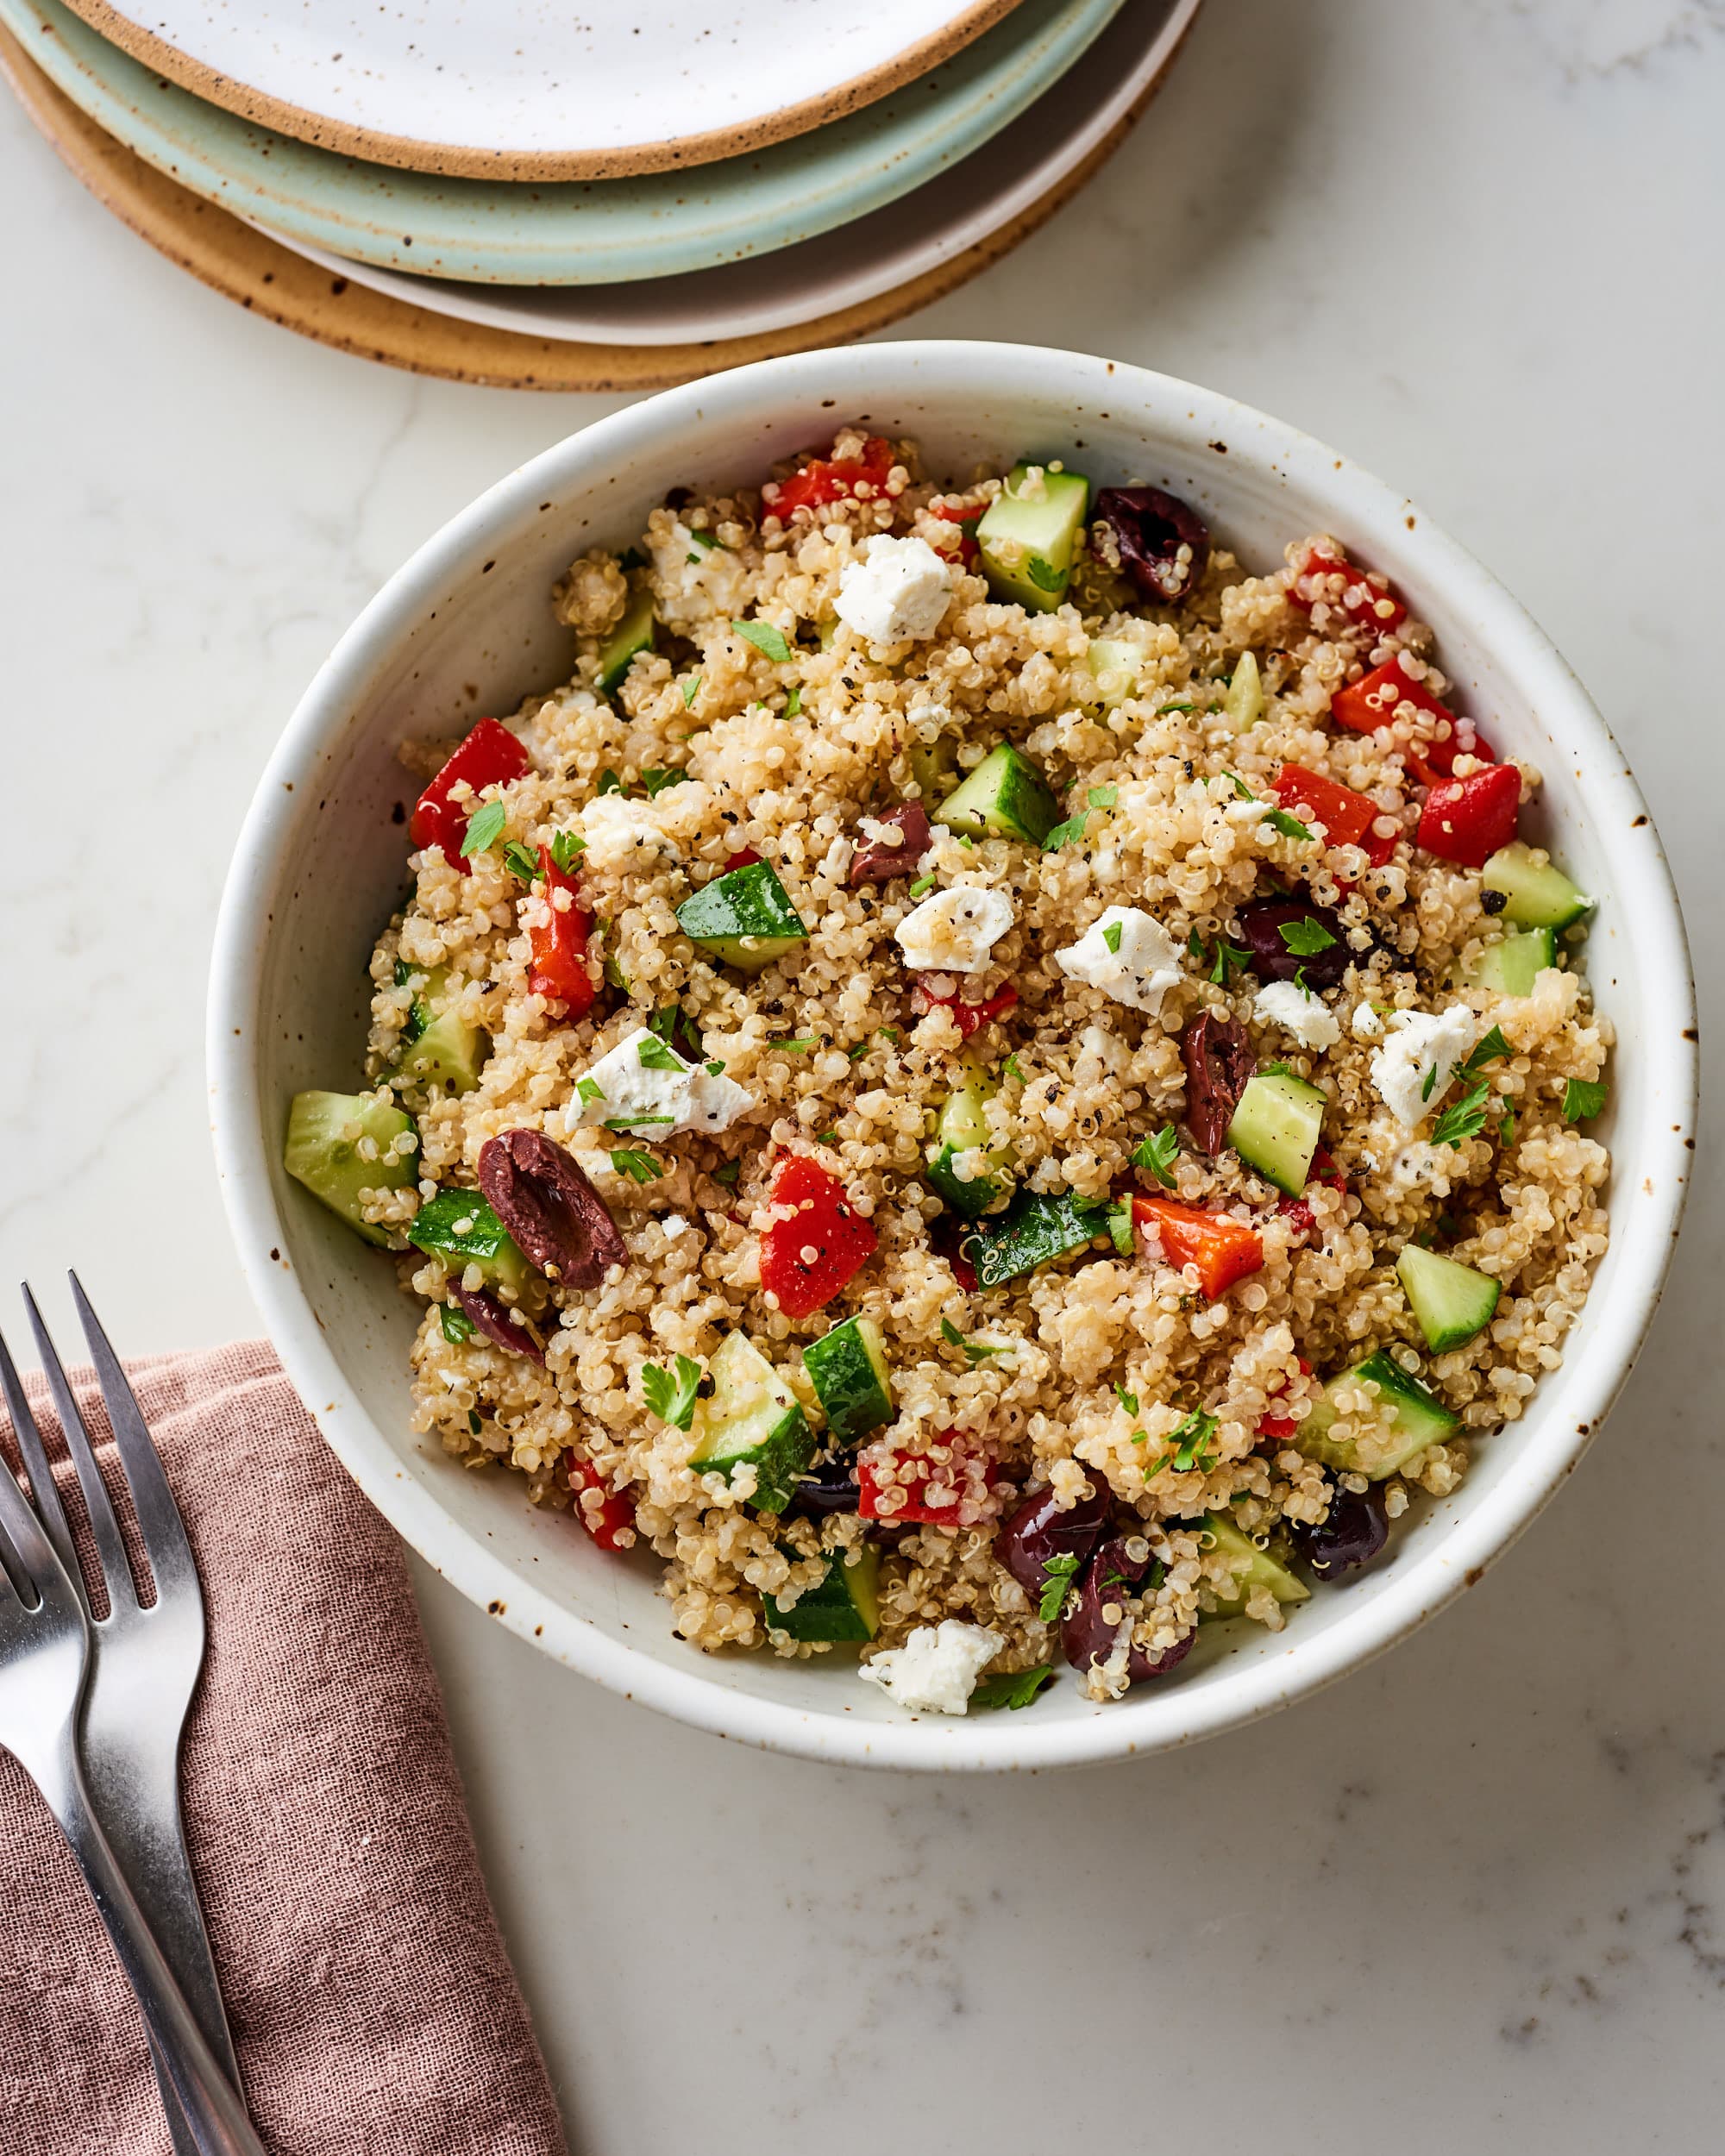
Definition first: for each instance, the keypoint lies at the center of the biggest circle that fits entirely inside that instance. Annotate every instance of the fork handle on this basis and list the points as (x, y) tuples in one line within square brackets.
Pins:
[(212, 2113)]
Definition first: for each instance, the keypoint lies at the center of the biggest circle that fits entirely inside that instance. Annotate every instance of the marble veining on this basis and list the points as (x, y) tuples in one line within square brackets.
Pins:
[(1474, 1897)]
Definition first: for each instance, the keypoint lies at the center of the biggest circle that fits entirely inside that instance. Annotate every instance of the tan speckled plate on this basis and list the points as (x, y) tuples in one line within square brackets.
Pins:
[(552, 93), (235, 259)]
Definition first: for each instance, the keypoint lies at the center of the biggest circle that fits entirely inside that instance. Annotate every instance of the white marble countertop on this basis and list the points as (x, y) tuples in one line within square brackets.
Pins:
[(1474, 1897)]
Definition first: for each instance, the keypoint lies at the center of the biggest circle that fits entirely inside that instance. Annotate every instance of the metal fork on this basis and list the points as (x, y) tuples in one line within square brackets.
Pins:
[(45, 1656), (143, 1666)]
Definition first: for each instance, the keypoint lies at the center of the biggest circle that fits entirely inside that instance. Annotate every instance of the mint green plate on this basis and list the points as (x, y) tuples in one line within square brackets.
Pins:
[(575, 232)]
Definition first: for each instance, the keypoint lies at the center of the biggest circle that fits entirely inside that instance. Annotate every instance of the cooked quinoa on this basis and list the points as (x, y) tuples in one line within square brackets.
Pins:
[(1113, 1383)]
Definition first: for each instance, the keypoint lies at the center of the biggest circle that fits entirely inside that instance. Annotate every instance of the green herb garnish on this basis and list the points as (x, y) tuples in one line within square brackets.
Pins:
[(1010, 1069), (922, 884), (1128, 1400), (1463, 1118), (1103, 797), (1306, 938), (1111, 935), (1158, 1153), (974, 1351), (793, 702), (1014, 1691), (1290, 826), (1063, 833), (1044, 575), (457, 1323), (727, 1173), (1492, 1049), (656, 782), (521, 860), (485, 827), (654, 1054), (857, 1051), (800, 1046), (672, 1398), (1240, 788), (1231, 959), (691, 691), (609, 782), (1583, 1098), (767, 640), (642, 1166), (1056, 1576), (566, 848), (1191, 1439), (633, 1122), (589, 1089)]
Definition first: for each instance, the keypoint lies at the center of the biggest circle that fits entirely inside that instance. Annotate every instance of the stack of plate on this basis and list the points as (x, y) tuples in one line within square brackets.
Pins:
[(610, 198)]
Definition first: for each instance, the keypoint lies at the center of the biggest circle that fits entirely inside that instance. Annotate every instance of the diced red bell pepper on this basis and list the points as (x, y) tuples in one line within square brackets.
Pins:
[(1323, 1170), (829, 479), (1365, 597), (913, 1473), (745, 859), (1280, 1427), (559, 966), (968, 1018), (967, 520), (609, 1520), (490, 755), (1346, 816), (1466, 820), (1223, 1249), (807, 1258), (1390, 691)]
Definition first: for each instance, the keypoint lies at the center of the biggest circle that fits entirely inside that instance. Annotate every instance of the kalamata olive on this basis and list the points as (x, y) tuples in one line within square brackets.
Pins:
[(550, 1208), (1164, 542), (1039, 1530), (1086, 1636), (836, 1491), (1260, 927), (1218, 1067), (878, 859), (1355, 1531), (489, 1314)]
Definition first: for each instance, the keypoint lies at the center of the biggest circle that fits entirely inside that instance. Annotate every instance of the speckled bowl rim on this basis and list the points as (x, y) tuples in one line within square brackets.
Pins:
[(456, 161), (1571, 1403)]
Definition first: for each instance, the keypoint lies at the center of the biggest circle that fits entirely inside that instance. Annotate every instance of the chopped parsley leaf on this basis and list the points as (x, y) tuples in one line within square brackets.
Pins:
[(609, 782), (672, 1396), (1306, 938), (1044, 575), (1111, 935), (566, 848), (485, 827), (1583, 1098), (1290, 826), (974, 1351), (1158, 1153), (1016, 1690), (1011, 1070), (691, 691), (633, 1122), (1063, 833), (656, 782), (713, 1068), (1492, 1049), (857, 1050), (1190, 1440), (1431, 1080), (800, 1046), (1103, 797), (1506, 1128), (1195, 946), (1128, 1400), (728, 1172), (1229, 960), (642, 1166), (654, 1054), (793, 702), (474, 1422), (521, 860), (1241, 789), (589, 1089), (767, 640), (1057, 1577), (457, 1323), (1463, 1118)]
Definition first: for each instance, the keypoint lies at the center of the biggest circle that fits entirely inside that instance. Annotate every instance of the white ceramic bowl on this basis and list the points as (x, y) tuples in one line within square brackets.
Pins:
[(465, 627)]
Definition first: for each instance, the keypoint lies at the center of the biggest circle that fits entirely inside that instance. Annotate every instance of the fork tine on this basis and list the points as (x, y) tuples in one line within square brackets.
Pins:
[(46, 1496), (28, 1555), (159, 1515), (104, 1528)]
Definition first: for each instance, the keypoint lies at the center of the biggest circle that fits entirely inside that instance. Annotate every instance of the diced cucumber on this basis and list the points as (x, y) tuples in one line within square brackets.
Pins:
[(1114, 666), (1004, 797), (1511, 967), (852, 1378), (1276, 1128), (319, 1154), (744, 918), (963, 1127), (1538, 893), (1243, 704), (448, 1055), (1026, 542), (459, 1226), (751, 1419), (1252, 1568), (1407, 1417), (934, 766), (432, 979), (1451, 1300), (1034, 1230), (633, 633), (846, 1604)]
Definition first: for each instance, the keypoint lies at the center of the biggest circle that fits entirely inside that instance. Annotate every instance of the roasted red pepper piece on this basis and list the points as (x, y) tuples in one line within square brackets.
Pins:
[(967, 520), (914, 1472), (559, 966), (807, 1258), (1323, 1170), (1347, 816), (745, 859), (1223, 1249), (1278, 1427), (490, 755), (968, 1018), (829, 479), (608, 1520), (1365, 600), (1390, 691), (1466, 820)]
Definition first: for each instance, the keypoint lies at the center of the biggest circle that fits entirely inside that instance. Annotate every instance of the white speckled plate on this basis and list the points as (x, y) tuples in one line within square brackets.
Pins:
[(568, 232), (882, 252), (522, 90)]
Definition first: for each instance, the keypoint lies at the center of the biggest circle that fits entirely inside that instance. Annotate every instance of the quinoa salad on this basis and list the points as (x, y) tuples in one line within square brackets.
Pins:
[(987, 1085)]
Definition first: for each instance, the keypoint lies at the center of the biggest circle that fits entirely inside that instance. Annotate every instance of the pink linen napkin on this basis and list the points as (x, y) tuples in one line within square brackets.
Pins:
[(373, 2008)]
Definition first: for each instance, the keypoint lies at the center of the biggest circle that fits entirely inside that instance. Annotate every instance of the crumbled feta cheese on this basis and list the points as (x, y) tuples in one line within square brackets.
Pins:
[(898, 590), (936, 1669), (1366, 1026), (1298, 1012), (1136, 965), (1421, 1044), (675, 1224), (619, 832), (631, 1094), (953, 931)]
